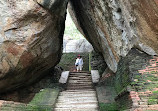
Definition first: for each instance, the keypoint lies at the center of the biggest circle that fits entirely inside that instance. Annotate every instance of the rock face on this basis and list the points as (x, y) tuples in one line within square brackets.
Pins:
[(97, 62), (31, 36), (113, 27), (27, 94), (77, 46)]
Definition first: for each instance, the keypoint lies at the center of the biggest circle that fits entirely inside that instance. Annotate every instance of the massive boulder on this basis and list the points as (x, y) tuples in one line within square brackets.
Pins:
[(114, 27), (77, 46), (31, 36)]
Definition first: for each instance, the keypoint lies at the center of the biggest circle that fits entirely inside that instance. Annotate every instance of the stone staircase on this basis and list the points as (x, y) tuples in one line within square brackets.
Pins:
[(80, 94)]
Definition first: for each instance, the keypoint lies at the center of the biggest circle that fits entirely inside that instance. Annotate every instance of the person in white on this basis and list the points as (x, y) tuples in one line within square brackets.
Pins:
[(79, 63)]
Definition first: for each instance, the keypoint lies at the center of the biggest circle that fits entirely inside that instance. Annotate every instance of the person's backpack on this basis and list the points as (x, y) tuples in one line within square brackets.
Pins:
[(77, 64)]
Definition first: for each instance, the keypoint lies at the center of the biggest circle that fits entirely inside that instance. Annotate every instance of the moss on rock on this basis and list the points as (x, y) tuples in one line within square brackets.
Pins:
[(108, 107)]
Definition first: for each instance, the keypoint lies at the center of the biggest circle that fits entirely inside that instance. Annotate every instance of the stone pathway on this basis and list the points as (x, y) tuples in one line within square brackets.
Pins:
[(80, 94)]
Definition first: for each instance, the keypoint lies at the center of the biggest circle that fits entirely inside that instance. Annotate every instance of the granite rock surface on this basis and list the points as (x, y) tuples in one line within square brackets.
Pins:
[(31, 36), (114, 27)]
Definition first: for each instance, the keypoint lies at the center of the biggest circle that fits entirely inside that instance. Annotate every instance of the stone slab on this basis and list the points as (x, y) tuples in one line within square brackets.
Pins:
[(64, 77), (95, 76)]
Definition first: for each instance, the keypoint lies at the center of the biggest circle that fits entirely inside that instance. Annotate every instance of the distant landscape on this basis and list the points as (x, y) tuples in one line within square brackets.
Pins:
[(71, 31)]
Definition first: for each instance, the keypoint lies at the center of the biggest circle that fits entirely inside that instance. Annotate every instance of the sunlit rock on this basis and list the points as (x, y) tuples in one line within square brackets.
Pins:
[(113, 27), (77, 46), (31, 36)]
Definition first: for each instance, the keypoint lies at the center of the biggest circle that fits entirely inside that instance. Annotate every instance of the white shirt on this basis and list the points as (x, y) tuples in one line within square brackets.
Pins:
[(79, 61)]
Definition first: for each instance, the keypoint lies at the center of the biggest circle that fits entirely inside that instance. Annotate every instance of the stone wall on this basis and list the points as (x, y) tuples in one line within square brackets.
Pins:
[(97, 62), (136, 80)]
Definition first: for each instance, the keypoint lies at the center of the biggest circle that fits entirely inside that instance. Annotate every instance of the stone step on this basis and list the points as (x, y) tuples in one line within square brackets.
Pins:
[(74, 78), (76, 106), (79, 90), (77, 84), (83, 101), (88, 105), (80, 94), (68, 109), (88, 72), (92, 90), (82, 75), (78, 102), (71, 76), (84, 80), (76, 97), (77, 93), (77, 75), (67, 100), (79, 81), (79, 78), (81, 86), (75, 109)]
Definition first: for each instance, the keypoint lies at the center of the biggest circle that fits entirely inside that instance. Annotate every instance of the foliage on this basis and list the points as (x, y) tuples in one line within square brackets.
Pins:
[(68, 60), (70, 29), (97, 62), (152, 101), (43, 101), (108, 107)]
